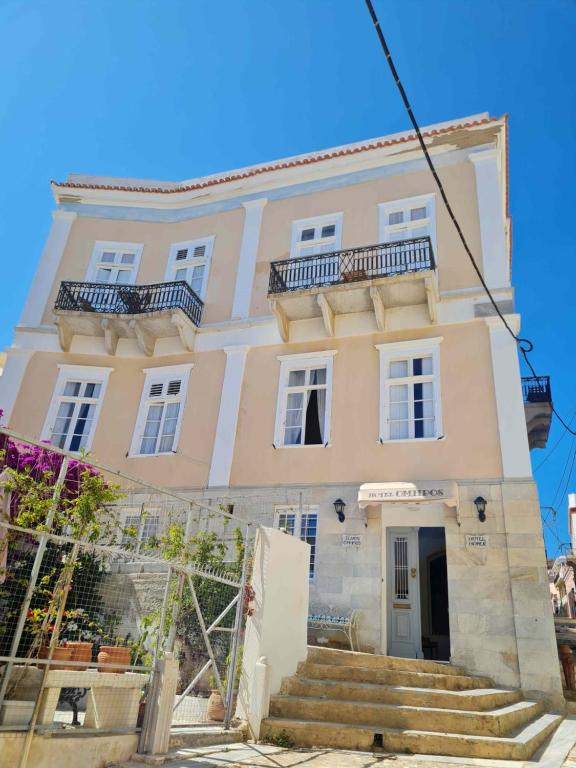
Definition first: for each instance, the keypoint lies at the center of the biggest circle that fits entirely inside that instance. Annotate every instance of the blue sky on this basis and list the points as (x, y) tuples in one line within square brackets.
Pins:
[(172, 89)]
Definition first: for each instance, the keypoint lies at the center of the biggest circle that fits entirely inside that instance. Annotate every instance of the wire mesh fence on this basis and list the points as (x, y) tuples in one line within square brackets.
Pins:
[(102, 574)]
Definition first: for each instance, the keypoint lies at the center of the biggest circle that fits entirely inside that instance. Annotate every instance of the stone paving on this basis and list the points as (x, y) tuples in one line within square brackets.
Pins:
[(268, 756)]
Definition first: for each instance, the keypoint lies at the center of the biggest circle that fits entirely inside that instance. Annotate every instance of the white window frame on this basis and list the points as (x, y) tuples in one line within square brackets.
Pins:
[(386, 231), (173, 265), (107, 245), (297, 362), (82, 373), (306, 509), (402, 351), (138, 519), (152, 376), (296, 245)]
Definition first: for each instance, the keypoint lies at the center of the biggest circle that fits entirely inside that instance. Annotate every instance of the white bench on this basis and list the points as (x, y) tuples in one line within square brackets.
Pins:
[(113, 699), (345, 624)]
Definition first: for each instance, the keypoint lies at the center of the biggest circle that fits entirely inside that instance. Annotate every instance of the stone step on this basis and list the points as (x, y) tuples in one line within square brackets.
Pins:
[(497, 722), (391, 677), (365, 737), (203, 736), (318, 655), (475, 699)]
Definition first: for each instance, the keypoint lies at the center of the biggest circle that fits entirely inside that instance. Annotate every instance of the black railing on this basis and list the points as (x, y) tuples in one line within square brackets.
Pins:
[(354, 265), (536, 389), (129, 299)]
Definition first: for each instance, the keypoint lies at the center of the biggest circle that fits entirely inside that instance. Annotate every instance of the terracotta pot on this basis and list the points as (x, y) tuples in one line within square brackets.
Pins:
[(110, 654), (80, 652), (61, 653), (216, 709), (567, 661)]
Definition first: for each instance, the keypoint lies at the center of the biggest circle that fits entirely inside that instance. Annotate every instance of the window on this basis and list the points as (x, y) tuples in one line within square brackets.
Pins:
[(114, 262), (75, 406), (319, 235), (410, 390), (140, 529), (160, 412), (406, 219), (302, 524), (191, 262), (304, 398)]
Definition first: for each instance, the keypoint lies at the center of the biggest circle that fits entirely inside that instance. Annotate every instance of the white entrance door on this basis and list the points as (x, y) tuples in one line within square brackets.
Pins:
[(403, 593)]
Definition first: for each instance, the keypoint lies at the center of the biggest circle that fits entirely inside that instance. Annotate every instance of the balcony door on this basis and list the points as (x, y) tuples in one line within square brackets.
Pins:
[(314, 238), (190, 262)]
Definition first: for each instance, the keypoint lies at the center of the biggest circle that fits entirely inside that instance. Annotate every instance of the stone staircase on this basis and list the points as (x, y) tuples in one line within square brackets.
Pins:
[(360, 701)]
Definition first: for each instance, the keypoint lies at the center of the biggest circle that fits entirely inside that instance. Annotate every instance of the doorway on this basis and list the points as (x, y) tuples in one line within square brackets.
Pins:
[(417, 593)]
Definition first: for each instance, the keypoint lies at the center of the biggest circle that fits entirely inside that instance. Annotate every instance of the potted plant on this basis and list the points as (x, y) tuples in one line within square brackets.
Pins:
[(216, 709), (114, 654)]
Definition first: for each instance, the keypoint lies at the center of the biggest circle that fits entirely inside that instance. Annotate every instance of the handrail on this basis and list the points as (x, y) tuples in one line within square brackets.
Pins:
[(536, 389), (352, 265), (125, 299)]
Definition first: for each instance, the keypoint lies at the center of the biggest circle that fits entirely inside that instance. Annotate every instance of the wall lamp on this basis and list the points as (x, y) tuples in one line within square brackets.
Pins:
[(480, 503), (339, 509)]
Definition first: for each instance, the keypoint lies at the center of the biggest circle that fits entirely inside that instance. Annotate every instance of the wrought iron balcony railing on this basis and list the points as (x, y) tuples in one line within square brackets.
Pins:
[(354, 265), (129, 299), (536, 389)]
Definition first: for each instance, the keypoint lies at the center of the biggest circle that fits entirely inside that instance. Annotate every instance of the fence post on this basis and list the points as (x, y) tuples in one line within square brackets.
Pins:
[(33, 577), (161, 706), (236, 636), (154, 685)]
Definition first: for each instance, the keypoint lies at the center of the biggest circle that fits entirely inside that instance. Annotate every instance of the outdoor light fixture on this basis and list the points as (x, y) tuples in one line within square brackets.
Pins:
[(480, 502), (339, 509)]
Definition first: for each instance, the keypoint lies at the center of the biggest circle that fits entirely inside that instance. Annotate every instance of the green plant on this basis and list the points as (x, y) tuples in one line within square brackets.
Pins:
[(281, 739)]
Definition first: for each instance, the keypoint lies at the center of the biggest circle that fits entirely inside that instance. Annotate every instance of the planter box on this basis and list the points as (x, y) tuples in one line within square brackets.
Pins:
[(16, 712)]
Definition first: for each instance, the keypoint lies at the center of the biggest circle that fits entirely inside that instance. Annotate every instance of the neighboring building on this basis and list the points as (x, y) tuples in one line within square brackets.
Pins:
[(2, 361), (239, 337), (561, 574)]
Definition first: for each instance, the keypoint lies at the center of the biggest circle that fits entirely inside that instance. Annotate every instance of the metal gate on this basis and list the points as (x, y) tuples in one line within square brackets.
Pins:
[(101, 575)]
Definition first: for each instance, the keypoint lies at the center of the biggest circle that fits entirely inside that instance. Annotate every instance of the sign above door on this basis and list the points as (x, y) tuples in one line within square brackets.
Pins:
[(444, 491)]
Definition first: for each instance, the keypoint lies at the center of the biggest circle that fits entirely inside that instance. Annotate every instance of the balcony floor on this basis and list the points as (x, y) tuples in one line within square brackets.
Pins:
[(375, 295), (146, 328)]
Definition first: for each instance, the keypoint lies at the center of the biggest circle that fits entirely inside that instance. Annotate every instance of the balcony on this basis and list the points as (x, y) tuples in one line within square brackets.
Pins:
[(143, 312), (374, 278), (538, 409)]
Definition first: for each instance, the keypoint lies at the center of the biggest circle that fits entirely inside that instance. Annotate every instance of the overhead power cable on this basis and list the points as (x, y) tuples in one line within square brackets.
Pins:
[(525, 345)]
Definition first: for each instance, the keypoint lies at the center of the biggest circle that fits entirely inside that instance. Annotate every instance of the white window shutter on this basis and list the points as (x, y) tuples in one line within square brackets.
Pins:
[(156, 389)]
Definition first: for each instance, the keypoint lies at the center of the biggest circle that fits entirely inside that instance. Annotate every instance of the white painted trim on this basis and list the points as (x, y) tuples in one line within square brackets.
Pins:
[(11, 379), (96, 373), (509, 403), (47, 268), (315, 221), (492, 218), (248, 255), (172, 265), (298, 511), (160, 372), (225, 440), (116, 246), (409, 349), (306, 360), (429, 200), (305, 356)]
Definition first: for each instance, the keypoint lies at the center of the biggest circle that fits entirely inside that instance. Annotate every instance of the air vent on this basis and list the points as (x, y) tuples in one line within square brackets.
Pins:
[(182, 254), (199, 251), (156, 390), (174, 387)]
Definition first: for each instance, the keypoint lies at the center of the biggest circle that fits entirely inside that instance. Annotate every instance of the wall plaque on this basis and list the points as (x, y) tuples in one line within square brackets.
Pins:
[(476, 540), (351, 539)]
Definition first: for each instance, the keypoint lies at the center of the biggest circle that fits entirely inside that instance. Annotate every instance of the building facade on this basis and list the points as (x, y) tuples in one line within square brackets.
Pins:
[(287, 336)]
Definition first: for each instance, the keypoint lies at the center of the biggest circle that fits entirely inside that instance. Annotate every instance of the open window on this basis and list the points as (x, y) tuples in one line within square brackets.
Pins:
[(304, 400)]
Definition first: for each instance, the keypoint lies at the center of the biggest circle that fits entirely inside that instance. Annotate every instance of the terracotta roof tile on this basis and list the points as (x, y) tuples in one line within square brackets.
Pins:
[(258, 170)]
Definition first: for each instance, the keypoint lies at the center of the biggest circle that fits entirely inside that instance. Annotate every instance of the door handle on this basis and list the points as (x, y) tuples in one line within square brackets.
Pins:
[(413, 572)]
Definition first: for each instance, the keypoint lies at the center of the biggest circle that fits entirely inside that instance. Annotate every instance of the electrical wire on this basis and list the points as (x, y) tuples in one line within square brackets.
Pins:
[(525, 345)]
